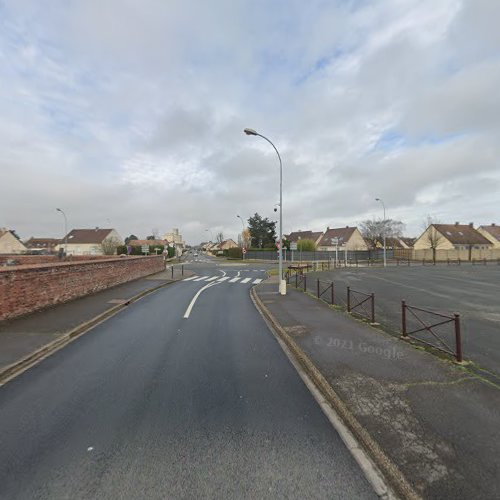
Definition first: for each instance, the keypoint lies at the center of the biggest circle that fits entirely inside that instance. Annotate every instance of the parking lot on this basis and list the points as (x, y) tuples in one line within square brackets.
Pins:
[(473, 291)]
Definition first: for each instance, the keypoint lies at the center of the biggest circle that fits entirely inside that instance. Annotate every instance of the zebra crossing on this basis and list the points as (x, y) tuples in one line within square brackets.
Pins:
[(222, 279)]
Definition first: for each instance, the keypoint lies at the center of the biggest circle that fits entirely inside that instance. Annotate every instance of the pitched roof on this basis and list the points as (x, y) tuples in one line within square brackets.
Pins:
[(42, 242), (462, 234), (492, 229), (342, 233), (82, 236), (304, 235), (409, 241)]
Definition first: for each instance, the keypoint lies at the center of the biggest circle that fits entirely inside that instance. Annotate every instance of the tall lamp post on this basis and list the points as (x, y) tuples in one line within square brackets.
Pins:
[(242, 237), (282, 282), (211, 234), (65, 231), (385, 251)]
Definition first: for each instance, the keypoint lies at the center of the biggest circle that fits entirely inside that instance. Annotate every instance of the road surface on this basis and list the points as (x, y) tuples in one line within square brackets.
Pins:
[(158, 403)]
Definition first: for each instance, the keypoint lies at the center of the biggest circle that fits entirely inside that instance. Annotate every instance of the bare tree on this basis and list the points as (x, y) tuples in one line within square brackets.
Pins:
[(431, 235), (219, 237), (373, 230), (109, 245)]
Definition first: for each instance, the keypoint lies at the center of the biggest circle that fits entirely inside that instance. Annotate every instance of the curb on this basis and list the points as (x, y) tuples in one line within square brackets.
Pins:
[(13, 370), (386, 467)]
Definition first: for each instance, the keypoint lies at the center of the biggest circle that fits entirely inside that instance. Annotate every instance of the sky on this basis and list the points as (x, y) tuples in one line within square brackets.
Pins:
[(130, 114)]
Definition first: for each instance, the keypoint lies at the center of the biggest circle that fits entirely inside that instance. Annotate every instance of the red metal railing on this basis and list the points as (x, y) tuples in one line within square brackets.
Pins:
[(357, 304), (439, 343), (301, 280), (328, 291)]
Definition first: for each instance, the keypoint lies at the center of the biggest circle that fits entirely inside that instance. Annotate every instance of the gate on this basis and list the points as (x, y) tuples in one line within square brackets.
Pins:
[(357, 303)]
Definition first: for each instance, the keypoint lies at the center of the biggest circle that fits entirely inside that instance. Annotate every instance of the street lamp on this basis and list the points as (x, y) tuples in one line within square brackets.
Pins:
[(65, 231), (211, 234), (242, 236), (282, 282), (385, 251)]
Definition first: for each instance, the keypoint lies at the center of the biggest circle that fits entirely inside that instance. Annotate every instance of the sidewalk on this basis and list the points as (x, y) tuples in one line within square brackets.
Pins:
[(435, 421), (23, 336)]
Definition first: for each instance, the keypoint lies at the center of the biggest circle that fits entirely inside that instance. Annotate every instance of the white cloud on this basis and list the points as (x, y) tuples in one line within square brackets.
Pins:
[(133, 112)]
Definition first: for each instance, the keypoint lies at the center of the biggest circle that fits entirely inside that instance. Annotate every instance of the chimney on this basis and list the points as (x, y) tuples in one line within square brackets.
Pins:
[(347, 227), (457, 223), (493, 224), (471, 224)]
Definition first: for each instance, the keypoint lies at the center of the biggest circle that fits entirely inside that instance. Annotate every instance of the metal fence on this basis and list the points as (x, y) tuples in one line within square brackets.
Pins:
[(350, 256)]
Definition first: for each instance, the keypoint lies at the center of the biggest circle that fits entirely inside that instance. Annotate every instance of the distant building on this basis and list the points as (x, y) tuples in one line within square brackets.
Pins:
[(397, 243), (227, 244), (176, 238), (348, 238), (491, 233), (9, 244), (295, 236), (91, 241), (452, 237), (42, 245)]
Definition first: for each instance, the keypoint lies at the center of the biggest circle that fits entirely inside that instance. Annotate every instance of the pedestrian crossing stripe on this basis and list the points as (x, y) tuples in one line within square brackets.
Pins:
[(223, 279)]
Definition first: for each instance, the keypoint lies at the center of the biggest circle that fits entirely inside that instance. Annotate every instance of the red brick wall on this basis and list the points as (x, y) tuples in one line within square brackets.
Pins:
[(43, 259), (27, 288)]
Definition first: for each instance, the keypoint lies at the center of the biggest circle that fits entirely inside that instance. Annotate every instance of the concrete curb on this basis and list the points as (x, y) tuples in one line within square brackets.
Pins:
[(389, 471), (13, 370)]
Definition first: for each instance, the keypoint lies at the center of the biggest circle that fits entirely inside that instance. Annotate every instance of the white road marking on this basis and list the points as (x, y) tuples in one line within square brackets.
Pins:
[(212, 278), (238, 273), (257, 281), (193, 301), (201, 279), (223, 279), (245, 280), (190, 278), (234, 280)]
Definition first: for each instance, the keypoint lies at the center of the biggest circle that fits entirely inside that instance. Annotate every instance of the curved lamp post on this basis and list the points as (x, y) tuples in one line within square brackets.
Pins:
[(282, 282), (65, 231), (385, 252)]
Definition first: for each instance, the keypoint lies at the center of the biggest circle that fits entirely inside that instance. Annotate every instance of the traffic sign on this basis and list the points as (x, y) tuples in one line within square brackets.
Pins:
[(145, 248), (244, 251), (293, 245)]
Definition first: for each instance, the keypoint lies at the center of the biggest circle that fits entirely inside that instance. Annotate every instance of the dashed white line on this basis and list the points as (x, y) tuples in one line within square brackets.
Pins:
[(190, 278), (245, 280), (201, 279), (223, 279), (212, 278), (257, 281)]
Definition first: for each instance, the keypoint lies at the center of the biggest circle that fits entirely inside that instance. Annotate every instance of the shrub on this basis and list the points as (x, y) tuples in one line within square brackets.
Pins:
[(306, 245)]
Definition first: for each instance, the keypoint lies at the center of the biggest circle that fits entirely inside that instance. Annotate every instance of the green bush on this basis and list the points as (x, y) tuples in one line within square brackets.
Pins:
[(234, 253), (306, 245)]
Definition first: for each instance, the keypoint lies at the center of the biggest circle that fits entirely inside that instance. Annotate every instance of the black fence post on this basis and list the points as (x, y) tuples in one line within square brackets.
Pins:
[(182, 269), (172, 269), (403, 318), (348, 299), (373, 307), (458, 338), (317, 288), (296, 279), (305, 282), (333, 295)]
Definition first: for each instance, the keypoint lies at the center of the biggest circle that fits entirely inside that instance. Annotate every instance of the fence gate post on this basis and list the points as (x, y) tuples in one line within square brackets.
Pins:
[(296, 279), (348, 299), (458, 338), (403, 318), (182, 269), (373, 307)]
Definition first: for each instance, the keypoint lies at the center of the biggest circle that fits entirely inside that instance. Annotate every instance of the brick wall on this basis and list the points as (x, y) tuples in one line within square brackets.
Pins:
[(28, 288), (43, 259)]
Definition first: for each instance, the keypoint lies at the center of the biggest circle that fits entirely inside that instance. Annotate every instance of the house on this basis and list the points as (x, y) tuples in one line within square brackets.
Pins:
[(348, 238), (42, 245), (9, 244), (491, 233), (91, 242), (397, 243), (452, 237), (295, 236), (227, 244)]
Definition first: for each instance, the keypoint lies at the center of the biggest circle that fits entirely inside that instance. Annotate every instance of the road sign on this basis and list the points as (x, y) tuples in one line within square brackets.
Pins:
[(145, 248), (293, 245), (244, 251)]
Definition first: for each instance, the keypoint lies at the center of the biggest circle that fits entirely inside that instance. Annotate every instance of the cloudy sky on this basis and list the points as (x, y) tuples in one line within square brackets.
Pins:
[(130, 113)]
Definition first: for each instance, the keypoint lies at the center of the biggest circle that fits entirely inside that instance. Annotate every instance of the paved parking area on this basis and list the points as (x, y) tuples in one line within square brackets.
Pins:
[(473, 291)]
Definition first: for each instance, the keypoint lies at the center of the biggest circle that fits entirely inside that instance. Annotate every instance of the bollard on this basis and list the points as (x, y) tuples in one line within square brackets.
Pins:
[(458, 338), (305, 285), (333, 296), (182, 269), (348, 299), (317, 287), (172, 268)]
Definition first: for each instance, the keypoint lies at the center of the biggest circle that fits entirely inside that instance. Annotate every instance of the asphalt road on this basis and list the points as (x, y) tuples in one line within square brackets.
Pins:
[(153, 405), (470, 290)]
